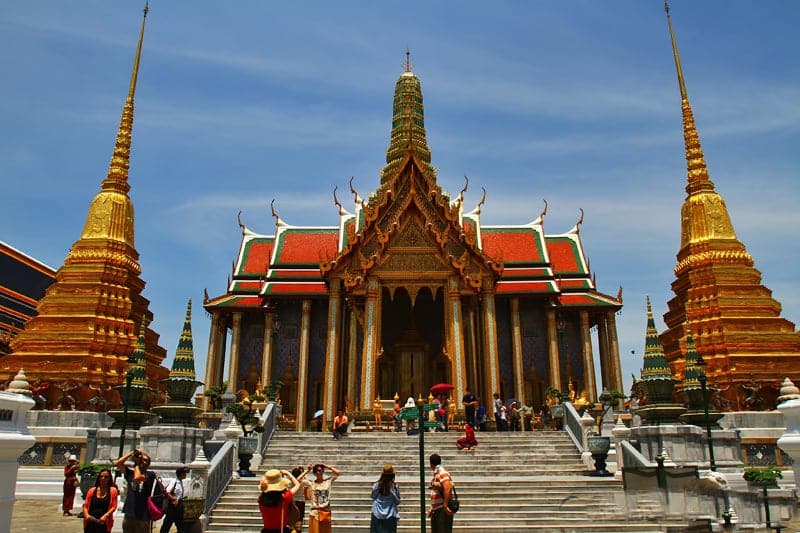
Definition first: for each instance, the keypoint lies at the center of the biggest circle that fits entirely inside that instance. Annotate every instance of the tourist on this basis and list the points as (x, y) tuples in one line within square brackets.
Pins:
[(301, 503), (480, 414), (320, 519), (140, 482), (174, 493), (470, 402), (514, 416), (70, 484), (339, 424), (385, 499), (498, 405), (468, 441), (276, 501), (100, 504), (441, 487), (441, 412), (318, 423), (398, 423)]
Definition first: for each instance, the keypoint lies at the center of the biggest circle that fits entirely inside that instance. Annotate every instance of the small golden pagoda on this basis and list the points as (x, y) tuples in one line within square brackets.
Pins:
[(87, 320), (736, 324)]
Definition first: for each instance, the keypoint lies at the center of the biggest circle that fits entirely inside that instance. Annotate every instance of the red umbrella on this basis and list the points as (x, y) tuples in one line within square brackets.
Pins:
[(441, 388)]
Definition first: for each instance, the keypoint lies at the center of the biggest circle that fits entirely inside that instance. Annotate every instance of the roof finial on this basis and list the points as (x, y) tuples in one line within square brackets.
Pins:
[(408, 60), (681, 83)]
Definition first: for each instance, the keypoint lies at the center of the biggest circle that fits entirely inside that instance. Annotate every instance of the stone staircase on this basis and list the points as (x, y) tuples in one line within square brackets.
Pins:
[(513, 482)]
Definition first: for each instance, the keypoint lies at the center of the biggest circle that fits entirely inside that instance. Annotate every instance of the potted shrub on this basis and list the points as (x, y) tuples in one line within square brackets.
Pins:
[(245, 414), (214, 395), (762, 476)]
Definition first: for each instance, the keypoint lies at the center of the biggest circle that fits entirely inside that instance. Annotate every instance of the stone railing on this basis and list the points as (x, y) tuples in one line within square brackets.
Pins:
[(220, 472), (574, 427), (269, 419)]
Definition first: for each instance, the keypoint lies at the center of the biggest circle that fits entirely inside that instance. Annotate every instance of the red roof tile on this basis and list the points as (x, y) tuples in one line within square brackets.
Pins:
[(256, 256), (564, 255), (513, 245), (306, 246)]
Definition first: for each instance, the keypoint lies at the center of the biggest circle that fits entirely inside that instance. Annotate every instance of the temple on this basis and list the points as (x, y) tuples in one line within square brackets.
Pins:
[(89, 319), (407, 290), (719, 298)]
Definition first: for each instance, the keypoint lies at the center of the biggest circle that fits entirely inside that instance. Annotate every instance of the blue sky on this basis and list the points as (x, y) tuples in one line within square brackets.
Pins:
[(573, 102)]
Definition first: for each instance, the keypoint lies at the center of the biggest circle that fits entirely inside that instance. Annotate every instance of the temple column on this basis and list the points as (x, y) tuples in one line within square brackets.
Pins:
[(552, 349), (516, 351), (371, 346), (332, 348), (602, 345), (266, 356), (455, 348), (615, 374), (302, 367), (222, 344), (233, 357), (211, 358), (490, 356), (352, 357), (588, 357)]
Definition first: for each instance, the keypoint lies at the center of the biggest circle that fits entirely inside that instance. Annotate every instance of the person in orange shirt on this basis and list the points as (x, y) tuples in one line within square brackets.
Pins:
[(339, 424)]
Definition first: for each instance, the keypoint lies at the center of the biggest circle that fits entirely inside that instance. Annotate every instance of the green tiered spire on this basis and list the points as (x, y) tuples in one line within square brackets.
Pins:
[(137, 364), (183, 364), (408, 124), (691, 372), (655, 362)]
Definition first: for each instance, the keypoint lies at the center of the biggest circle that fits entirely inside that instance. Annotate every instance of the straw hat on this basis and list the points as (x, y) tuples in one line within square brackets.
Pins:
[(274, 480), (72, 458), (387, 469)]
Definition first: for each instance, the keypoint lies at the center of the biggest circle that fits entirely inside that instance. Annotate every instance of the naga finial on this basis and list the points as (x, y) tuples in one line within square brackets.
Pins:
[(464, 189), (337, 202), (580, 220), (544, 211), (356, 196), (239, 220), (483, 201), (278, 221)]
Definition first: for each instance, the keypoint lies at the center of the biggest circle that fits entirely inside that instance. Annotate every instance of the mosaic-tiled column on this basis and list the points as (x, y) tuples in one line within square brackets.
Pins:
[(456, 334), (352, 358), (233, 358), (371, 342), (302, 368), (516, 351), (588, 357), (490, 356), (552, 349), (331, 380), (266, 355)]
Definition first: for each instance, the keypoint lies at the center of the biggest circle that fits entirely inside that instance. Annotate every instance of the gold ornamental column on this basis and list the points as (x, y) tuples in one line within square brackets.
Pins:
[(516, 351), (211, 358), (222, 343), (302, 368), (233, 357), (266, 356), (602, 345), (552, 349), (352, 357), (588, 357), (456, 341), (371, 346), (331, 380), (490, 357), (615, 374)]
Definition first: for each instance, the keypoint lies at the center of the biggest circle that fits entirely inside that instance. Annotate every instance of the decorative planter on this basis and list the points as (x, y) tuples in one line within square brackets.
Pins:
[(193, 508), (247, 447), (87, 482), (599, 446)]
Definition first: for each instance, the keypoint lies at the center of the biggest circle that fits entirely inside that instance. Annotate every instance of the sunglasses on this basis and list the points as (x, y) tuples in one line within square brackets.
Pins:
[(105, 477)]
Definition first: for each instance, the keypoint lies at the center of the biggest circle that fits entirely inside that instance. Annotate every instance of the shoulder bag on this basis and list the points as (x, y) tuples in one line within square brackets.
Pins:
[(155, 501)]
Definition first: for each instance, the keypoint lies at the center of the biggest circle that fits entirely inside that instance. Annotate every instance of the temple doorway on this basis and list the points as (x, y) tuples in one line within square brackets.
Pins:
[(412, 339)]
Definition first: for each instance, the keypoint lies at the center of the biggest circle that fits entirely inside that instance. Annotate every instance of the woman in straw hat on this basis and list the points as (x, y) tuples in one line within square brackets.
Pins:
[(385, 499), (320, 517), (276, 502)]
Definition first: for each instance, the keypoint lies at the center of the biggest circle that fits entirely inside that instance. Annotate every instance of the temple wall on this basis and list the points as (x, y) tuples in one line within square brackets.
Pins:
[(505, 348)]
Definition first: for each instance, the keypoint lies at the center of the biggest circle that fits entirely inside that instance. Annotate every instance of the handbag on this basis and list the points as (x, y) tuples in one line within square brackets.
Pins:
[(155, 509), (452, 504), (324, 516)]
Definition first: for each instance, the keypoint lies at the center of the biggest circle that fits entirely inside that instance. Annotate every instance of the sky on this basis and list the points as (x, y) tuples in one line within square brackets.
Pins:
[(575, 102)]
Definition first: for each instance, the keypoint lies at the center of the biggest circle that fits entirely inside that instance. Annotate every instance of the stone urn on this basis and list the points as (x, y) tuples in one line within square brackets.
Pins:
[(598, 446), (557, 410), (193, 508), (247, 447)]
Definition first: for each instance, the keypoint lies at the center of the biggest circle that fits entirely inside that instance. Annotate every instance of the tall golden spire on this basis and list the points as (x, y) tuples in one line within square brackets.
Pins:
[(735, 323), (87, 321), (111, 213)]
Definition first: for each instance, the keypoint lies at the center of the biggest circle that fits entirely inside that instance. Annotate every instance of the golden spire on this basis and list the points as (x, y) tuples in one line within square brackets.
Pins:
[(697, 172), (408, 60), (111, 213)]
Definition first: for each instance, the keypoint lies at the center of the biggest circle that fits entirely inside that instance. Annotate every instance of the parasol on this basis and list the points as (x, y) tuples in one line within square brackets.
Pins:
[(441, 388), (318, 413)]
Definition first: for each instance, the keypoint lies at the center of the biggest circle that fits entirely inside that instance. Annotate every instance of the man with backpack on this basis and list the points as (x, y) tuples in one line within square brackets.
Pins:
[(442, 491)]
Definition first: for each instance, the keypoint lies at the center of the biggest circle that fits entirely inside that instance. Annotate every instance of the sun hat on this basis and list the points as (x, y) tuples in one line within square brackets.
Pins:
[(387, 469), (72, 458), (274, 480)]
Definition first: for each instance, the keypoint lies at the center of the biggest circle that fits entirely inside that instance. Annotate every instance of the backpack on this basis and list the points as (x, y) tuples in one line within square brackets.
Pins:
[(452, 504)]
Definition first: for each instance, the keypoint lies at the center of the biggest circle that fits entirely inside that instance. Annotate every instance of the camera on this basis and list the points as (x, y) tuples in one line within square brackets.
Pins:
[(137, 454)]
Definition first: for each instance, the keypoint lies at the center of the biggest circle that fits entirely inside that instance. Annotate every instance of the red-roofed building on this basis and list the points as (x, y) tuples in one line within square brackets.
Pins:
[(408, 291)]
